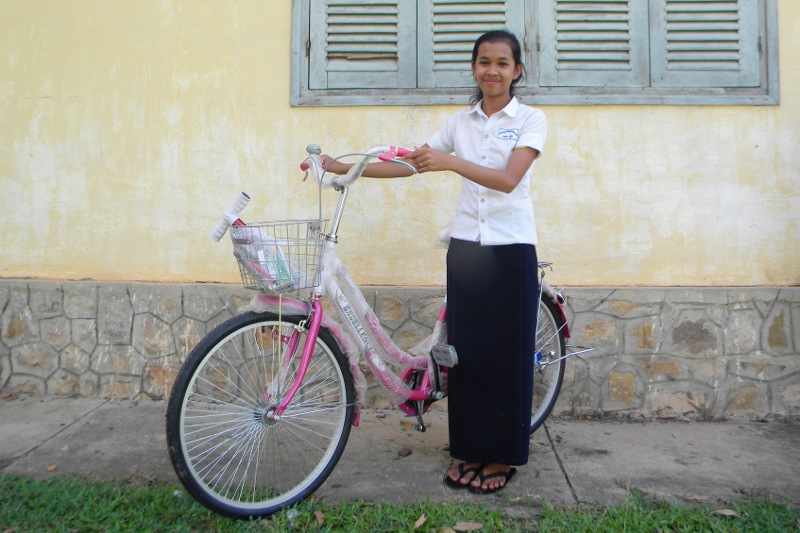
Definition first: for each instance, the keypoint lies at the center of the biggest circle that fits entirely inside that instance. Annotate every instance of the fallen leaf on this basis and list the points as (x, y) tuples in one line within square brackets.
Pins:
[(468, 526), (7, 396), (320, 518), (726, 512), (419, 522), (447, 530), (51, 468)]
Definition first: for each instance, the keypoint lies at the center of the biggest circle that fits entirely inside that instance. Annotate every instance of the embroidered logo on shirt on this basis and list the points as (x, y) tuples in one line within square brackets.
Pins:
[(508, 134)]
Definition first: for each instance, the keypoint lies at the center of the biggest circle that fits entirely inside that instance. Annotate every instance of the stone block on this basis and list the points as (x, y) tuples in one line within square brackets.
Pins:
[(392, 310), (160, 377), (114, 315), (19, 323), (162, 301), (597, 330), (202, 306), (761, 367), (5, 370), (80, 300), (62, 383), (786, 398), (696, 296), (425, 309), (187, 333), (117, 360), (745, 398), (642, 336), (152, 337), (776, 332), (46, 299), (36, 358), (579, 393), (25, 384), (712, 372), (90, 384), (659, 368), (796, 325), (74, 359), (693, 335), (119, 388), (410, 334), (624, 388), (84, 333), (56, 332), (680, 398), (742, 331), (586, 300)]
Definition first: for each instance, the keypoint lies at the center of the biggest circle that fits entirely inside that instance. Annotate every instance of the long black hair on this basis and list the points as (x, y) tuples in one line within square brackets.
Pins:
[(516, 50)]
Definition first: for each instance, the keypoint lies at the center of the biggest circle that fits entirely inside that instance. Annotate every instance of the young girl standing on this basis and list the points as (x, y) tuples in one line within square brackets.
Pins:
[(491, 265)]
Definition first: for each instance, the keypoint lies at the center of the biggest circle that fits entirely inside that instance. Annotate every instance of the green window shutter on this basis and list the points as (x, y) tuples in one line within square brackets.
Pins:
[(448, 30), (593, 43), (366, 44), (704, 43)]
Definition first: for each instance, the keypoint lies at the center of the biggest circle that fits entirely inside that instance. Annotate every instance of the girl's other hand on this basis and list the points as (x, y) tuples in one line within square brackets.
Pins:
[(426, 159)]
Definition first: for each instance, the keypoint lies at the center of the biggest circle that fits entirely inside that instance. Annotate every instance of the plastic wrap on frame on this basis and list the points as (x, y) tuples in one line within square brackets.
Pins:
[(347, 300), (388, 349), (262, 303)]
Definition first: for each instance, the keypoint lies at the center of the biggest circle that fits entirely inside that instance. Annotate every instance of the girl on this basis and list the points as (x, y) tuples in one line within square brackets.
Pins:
[(491, 264)]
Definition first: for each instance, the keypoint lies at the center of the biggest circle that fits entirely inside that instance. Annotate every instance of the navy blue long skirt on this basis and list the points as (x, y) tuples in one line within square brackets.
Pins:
[(491, 316)]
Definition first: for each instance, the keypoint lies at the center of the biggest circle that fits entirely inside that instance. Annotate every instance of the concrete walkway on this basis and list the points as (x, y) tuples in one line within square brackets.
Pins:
[(572, 461)]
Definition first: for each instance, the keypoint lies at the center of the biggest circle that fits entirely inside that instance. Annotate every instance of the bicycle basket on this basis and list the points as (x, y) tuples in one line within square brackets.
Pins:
[(279, 256)]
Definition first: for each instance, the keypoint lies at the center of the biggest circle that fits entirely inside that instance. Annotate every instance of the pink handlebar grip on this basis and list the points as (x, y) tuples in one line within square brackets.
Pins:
[(394, 151)]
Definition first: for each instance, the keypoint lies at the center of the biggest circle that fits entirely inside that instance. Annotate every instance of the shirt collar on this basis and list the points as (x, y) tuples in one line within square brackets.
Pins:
[(510, 109)]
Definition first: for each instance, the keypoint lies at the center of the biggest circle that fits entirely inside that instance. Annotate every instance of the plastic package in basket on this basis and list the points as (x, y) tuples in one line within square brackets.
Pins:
[(279, 256)]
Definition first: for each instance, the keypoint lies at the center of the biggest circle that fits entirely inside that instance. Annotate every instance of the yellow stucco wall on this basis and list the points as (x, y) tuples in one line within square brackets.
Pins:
[(125, 129)]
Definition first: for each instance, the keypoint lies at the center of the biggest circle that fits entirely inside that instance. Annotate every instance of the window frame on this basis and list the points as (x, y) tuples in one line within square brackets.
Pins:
[(765, 93)]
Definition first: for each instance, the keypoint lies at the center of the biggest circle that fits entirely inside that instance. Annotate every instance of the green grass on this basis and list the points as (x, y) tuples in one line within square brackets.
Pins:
[(73, 504)]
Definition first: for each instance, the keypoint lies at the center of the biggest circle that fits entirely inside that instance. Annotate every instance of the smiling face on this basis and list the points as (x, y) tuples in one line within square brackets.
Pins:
[(494, 69)]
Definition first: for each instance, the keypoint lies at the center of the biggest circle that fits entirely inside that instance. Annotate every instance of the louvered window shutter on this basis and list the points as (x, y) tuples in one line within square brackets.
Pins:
[(593, 43), (702, 43), (448, 30), (363, 44)]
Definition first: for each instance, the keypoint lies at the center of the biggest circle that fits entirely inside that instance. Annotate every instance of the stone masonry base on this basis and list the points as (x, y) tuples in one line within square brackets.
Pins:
[(659, 352)]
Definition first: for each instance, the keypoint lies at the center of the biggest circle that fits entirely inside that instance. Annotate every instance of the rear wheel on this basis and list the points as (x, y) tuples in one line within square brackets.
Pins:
[(227, 447), (548, 371)]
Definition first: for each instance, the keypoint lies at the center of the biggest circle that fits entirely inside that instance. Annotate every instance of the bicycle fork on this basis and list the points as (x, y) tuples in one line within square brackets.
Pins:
[(274, 411)]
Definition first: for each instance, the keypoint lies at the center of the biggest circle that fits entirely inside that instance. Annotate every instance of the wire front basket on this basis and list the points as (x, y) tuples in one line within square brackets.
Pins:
[(279, 256)]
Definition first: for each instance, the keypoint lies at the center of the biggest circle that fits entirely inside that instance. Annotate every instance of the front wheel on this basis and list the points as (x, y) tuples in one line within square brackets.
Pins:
[(229, 450), (548, 370)]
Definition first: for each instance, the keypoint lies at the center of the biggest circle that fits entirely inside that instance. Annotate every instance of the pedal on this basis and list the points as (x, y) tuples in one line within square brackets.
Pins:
[(419, 426), (444, 355)]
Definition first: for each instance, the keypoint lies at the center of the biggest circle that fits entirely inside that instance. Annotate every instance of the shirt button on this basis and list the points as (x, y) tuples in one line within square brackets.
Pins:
[(483, 157), (483, 200), (483, 221)]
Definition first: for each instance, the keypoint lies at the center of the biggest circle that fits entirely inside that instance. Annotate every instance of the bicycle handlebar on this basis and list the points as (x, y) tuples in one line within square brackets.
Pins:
[(314, 164), (230, 217)]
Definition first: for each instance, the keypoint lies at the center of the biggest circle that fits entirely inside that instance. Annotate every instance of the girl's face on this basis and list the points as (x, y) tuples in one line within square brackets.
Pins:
[(494, 68)]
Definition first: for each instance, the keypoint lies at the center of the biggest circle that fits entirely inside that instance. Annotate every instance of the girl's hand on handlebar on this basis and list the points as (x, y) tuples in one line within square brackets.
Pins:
[(426, 159), (329, 164)]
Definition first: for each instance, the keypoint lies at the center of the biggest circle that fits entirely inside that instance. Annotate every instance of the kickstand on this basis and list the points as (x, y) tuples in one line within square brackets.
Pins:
[(420, 426)]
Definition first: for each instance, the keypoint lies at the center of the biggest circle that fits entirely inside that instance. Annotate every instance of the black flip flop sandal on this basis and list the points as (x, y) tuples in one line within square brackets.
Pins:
[(483, 477), (456, 484)]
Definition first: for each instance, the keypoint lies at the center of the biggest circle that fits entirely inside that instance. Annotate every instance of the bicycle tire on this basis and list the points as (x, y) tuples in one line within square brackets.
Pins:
[(548, 376), (227, 452)]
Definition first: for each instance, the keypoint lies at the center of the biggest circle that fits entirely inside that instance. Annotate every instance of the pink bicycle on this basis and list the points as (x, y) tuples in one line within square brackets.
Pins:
[(261, 409)]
